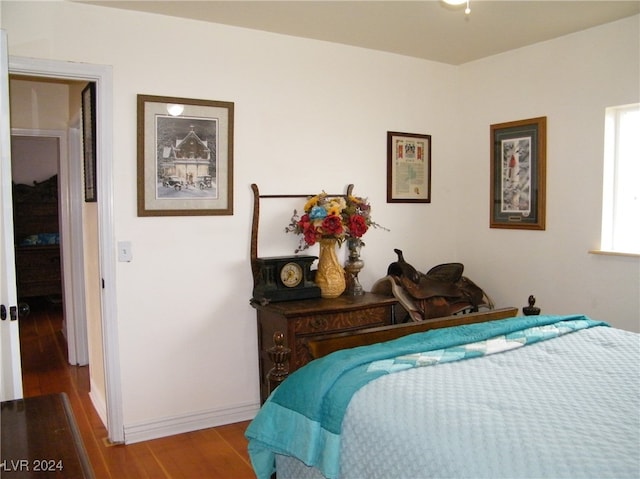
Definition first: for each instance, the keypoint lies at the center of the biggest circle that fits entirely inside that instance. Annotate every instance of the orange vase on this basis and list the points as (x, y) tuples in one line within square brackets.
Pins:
[(330, 274)]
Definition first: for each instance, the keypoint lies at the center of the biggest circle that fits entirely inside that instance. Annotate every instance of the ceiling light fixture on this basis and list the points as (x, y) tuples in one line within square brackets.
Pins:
[(459, 2)]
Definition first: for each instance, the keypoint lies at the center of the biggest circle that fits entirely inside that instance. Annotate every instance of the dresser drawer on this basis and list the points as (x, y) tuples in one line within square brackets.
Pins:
[(44, 272), (335, 322), (38, 271)]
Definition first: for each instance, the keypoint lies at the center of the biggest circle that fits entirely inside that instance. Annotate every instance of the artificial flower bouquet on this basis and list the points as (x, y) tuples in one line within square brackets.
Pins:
[(339, 217)]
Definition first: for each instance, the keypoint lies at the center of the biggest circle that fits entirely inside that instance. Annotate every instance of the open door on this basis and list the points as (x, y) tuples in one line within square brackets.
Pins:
[(11, 370)]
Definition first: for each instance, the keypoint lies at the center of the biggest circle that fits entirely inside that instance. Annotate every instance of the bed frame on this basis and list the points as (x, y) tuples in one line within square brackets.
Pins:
[(322, 345)]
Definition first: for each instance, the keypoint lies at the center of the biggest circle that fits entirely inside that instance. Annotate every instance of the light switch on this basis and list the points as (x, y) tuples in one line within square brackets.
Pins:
[(124, 251)]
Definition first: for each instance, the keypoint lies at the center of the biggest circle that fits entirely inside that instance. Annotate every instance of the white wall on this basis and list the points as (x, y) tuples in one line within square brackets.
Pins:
[(309, 116), (50, 105), (571, 81), (33, 159)]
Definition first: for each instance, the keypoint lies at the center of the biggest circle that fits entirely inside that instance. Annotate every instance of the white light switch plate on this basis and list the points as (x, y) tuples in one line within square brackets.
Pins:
[(124, 251)]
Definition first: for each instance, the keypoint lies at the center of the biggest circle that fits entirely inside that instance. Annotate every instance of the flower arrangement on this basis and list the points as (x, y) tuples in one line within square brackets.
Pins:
[(339, 217)]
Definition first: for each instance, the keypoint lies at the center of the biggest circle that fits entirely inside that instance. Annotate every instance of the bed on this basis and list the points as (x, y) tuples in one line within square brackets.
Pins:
[(521, 397)]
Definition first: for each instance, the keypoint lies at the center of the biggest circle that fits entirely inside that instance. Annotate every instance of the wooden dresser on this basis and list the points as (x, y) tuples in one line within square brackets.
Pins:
[(36, 225), (38, 271), (302, 320)]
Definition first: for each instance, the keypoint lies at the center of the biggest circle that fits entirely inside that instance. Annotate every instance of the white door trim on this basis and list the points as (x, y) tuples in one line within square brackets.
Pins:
[(79, 350), (11, 374), (103, 76)]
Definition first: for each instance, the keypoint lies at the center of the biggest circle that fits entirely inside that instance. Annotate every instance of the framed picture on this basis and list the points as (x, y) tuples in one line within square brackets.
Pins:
[(518, 171), (185, 157), (408, 168), (89, 141)]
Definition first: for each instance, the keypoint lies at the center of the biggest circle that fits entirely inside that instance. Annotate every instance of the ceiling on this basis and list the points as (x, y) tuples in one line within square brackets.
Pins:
[(424, 29)]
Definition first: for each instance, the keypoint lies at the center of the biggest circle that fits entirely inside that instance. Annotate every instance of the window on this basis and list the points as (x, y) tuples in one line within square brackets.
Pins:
[(621, 188)]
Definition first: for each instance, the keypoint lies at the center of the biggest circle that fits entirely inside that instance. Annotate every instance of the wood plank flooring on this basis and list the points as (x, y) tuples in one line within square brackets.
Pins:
[(219, 452)]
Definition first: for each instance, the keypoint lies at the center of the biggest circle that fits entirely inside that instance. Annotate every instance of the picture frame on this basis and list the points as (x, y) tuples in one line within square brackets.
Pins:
[(518, 174), (185, 156), (89, 142), (408, 167)]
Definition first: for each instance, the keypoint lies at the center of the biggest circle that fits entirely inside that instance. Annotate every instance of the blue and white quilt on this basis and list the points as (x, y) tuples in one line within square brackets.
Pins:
[(303, 417)]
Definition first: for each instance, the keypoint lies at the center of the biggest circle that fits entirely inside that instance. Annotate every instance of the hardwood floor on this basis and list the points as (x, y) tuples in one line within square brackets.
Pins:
[(219, 452)]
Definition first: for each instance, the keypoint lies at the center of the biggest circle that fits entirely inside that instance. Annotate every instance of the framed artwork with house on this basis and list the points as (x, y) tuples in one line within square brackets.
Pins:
[(185, 157), (518, 172)]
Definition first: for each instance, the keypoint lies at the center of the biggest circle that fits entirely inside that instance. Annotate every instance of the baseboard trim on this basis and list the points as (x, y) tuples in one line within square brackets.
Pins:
[(147, 430), (99, 404)]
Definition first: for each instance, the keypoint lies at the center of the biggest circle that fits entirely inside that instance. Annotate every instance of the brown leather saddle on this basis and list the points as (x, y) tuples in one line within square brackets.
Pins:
[(442, 291)]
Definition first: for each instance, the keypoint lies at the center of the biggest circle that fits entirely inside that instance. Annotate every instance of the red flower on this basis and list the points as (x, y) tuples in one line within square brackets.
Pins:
[(308, 230), (304, 222), (332, 225), (357, 226), (310, 235)]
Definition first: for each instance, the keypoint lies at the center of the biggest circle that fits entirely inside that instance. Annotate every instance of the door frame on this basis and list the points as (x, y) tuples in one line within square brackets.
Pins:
[(11, 374), (103, 77)]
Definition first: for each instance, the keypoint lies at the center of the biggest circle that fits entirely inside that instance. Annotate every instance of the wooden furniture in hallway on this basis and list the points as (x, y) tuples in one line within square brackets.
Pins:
[(36, 236)]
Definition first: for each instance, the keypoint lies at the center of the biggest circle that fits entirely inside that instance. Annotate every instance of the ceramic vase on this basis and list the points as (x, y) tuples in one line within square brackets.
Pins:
[(330, 274)]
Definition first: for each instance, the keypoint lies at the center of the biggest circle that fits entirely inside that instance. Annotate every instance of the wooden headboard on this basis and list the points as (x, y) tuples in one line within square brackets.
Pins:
[(320, 346), (35, 208)]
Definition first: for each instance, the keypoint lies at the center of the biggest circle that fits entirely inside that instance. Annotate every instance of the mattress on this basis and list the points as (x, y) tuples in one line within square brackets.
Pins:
[(567, 407)]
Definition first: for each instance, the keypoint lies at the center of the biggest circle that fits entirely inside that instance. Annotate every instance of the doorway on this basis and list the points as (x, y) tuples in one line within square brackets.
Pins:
[(109, 405), (49, 258)]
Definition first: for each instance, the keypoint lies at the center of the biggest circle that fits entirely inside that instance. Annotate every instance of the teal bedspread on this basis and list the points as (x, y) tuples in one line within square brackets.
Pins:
[(303, 417)]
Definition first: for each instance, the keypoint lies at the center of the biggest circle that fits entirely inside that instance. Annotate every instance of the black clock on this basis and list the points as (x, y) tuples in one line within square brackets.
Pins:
[(284, 278)]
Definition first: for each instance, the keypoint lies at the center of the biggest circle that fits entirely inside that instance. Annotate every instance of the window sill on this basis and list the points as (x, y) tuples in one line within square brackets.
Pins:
[(614, 253)]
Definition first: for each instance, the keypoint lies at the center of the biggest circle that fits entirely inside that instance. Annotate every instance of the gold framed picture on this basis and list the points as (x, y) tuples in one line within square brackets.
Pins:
[(185, 157), (518, 174)]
